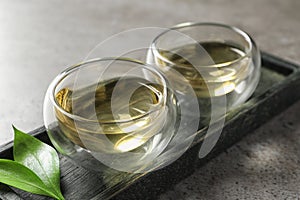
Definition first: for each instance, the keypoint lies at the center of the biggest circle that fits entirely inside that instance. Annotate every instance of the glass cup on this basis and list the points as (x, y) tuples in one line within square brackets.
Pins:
[(112, 111), (217, 60)]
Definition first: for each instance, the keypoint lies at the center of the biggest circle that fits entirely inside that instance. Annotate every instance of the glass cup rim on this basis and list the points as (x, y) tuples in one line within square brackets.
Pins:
[(245, 35), (61, 76)]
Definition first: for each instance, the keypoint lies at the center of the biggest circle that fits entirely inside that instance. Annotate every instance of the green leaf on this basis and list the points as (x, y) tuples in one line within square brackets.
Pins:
[(15, 174), (40, 158)]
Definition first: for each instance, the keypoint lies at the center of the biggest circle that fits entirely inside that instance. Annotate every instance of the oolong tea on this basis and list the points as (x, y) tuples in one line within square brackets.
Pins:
[(223, 67), (99, 127)]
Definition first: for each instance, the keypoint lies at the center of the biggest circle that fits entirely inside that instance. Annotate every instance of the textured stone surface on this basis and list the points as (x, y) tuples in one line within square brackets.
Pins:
[(38, 39), (264, 165)]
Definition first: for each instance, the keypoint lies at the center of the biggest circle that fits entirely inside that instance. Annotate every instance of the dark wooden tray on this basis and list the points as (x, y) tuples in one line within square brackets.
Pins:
[(275, 92)]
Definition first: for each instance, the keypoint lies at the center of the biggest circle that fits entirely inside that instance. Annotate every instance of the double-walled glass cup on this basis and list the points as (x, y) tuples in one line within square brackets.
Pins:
[(111, 111), (217, 61)]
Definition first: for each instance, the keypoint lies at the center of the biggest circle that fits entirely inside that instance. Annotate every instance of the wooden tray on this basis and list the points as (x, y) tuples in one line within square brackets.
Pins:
[(275, 92)]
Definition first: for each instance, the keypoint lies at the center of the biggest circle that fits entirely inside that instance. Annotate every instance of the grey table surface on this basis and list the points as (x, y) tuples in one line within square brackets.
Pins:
[(40, 38)]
